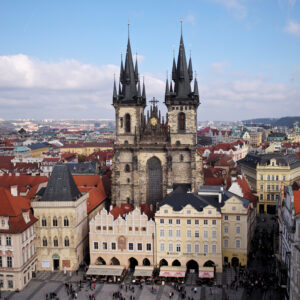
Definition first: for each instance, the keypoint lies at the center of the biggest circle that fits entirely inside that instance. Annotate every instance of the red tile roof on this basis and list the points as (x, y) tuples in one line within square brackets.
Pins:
[(7, 181), (246, 190), (13, 207), (96, 197), (121, 210), (297, 201), (214, 181)]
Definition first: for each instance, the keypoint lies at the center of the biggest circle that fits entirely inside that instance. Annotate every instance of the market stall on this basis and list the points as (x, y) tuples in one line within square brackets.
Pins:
[(143, 274), (172, 274), (106, 273), (206, 275)]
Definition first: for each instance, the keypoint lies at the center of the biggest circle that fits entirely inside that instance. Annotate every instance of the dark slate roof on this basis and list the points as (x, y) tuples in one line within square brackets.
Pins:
[(251, 160), (61, 185), (179, 198), (38, 146), (277, 134), (82, 168)]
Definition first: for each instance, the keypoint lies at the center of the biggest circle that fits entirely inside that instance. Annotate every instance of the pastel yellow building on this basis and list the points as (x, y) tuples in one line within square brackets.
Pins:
[(188, 231), (62, 229), (266, 173), (86, 148)]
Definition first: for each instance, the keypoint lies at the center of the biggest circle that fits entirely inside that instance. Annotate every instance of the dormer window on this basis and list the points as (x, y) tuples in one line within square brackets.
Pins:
[(26, 217)]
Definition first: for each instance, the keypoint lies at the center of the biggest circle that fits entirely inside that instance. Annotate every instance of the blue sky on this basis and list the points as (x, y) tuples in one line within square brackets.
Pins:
[(58, 58)]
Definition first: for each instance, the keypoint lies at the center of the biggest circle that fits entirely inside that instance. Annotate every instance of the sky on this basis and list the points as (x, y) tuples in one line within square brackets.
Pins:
[(58, 58)]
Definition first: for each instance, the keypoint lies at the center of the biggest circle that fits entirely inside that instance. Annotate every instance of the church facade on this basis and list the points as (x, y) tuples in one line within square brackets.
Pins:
[(154, 154)]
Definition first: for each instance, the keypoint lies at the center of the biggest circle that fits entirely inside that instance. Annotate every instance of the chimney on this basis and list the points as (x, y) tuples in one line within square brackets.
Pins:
[(14, 190), (220, 194)]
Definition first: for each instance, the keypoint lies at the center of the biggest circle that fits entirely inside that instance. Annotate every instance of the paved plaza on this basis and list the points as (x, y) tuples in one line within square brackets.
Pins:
[(47, 282)]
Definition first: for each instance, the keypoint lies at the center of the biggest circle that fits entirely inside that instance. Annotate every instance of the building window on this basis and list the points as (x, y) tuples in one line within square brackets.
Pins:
[(268, 196), (268, 177), (67, 242), (226, 243), (205, 248), (188, 221), (96, 246), (128, 180), (66, 222), (189, 233), (181, 121), (140, 247), (261, 197), (197, 248), (283, 178), (197, 234), (188, 248), (214, 222), (177, 221), (127, 168), (165, 211), (9, 261), (170, 247), (181, 157), (214, 234), (214, 248), (104, 245), (238, 244), (225, 229), (261, 187), (170, 233), (161, 233), (178, 233), (188, 211), (205, 234), (44, 222), (238, 218), (178, 247), (238, 230), (162, 221), (205, 222), (8, 241), (55, 242), (54, 222), (196, 221), (113, 246), (127, 123), (233, 208), (162, 247), (130, 246), (44, 242), (148, 245), (10, 284), (0, 261), (226, 218), (277, 177), (170, 221)]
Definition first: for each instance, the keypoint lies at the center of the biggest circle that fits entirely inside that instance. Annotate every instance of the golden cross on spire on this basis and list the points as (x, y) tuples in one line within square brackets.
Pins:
[(128, 27), (181, 21)]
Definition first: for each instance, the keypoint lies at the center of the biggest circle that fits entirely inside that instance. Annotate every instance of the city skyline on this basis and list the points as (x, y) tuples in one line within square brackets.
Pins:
[(58, 60)]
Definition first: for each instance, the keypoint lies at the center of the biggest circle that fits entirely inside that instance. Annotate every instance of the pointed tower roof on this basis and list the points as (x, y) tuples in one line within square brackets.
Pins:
[(129, 86), (196, 92), (144, 91), (61, 185), (182, 75), (167, 87), (115, 96)]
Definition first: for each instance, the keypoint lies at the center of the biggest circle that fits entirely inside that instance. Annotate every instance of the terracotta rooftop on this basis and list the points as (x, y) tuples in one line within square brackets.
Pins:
[(297, 201), (13, 207)]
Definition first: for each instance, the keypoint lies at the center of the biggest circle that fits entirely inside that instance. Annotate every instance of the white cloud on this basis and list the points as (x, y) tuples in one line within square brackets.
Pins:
[(190, 19), (236, 7), (219, 67), (65, 89), (292, 28)]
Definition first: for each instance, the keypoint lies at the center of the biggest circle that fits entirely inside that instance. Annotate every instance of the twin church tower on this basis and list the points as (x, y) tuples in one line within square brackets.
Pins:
[(153, 154)]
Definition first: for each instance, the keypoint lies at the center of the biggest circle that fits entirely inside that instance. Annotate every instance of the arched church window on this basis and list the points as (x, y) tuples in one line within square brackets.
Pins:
[(181, 121), (128, 180), (67, 242), (181, 157), (177, 143), (66, 221), (55, 242), (54, 221), (127, 123), (44, 242), (128, 200), (121, 122), (127, 168), (44, 222)]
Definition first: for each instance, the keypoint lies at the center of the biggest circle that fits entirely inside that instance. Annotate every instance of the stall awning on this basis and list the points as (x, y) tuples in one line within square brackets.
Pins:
[(167, 271), (206, 272), (143, 271), (105, 270)]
